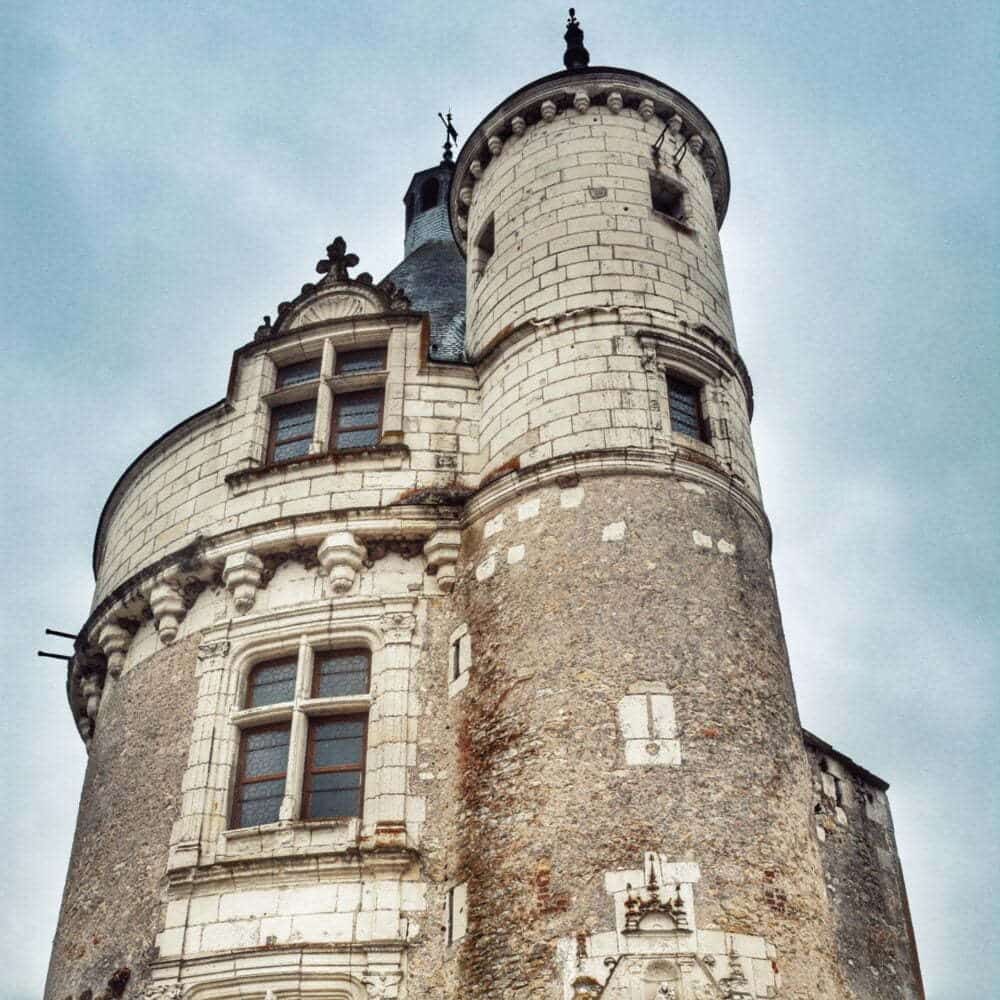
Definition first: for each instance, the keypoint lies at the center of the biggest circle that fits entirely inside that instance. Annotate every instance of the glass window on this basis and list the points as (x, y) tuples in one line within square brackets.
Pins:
[(263, 765), (685, 408), (271, 684), (302, 371), (357, 419), (341, 672), (292, 430), (371, 359), (335, 767)]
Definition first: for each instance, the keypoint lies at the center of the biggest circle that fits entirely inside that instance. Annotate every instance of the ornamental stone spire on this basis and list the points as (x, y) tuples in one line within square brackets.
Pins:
[(576, 56)]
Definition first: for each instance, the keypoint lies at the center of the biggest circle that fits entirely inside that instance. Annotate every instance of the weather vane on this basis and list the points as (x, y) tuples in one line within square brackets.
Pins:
[(450, 134)]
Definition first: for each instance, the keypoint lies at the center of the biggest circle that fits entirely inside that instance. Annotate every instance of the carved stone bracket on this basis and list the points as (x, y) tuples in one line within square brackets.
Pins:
[(166, 600), (114, 642), (242, 575), (341, 557), (441, 550)]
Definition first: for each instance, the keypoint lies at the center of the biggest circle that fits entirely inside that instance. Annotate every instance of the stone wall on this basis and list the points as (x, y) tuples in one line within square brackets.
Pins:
[(619, 593), (864, 878), (131, 795)]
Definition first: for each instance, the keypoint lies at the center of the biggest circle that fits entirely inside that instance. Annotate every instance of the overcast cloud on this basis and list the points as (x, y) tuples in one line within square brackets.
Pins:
[(173, 170)]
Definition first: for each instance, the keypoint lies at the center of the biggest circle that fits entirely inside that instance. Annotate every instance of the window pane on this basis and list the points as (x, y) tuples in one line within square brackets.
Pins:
[(294, 420), (685, 409), (338, 752), (303, 371), (357, 439), (341, 672), (330, 805), (272, 684), (260, 802), (296, 449), (336, 781), (371, 359), (265, 752), (355, 412)]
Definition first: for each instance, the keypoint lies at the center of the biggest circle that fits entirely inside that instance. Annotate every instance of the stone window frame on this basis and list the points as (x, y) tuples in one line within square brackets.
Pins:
[(456, 913), (325, 346), (668, 353), (298, 714), (459, 659), (203, 835), (661, 182)]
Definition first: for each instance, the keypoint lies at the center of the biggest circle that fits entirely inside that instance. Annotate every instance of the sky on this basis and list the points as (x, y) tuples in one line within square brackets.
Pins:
[(172, 170)]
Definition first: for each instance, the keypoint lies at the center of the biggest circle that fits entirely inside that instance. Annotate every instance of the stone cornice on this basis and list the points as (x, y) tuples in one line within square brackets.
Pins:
[(613, 87)]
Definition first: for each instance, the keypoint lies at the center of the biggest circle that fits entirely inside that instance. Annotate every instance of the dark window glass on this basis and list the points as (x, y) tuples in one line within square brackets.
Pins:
[(292, 430), (334, 782), (271, 683), (667, 197), (302, 371), (341, 672), (357, 419), (261, 780), (685, 409), (371, 359)]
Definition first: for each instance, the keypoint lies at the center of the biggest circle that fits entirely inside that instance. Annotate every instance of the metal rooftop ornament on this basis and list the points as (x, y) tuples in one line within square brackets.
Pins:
[(450, 134), (576, 57)]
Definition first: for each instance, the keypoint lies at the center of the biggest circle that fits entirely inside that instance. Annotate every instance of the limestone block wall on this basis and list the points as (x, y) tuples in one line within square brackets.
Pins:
[(573, 226), (205, 477), (551, 797), (864, 878)]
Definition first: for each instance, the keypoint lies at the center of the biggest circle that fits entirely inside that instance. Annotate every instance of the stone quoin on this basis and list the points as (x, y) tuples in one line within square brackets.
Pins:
[(442, 657)]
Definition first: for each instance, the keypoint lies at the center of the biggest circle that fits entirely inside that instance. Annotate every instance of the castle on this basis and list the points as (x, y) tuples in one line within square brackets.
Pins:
[(441, 658)]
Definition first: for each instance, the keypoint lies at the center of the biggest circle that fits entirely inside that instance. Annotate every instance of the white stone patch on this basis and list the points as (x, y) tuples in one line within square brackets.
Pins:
[(695, 488), (614, 532), (571, 497), (459, 659), (726, 548), (515, 554), (529, 509), (486, 568), (666, 954), (493, 526), (649, 729), (820, 834), (457, 920), (702, 541)]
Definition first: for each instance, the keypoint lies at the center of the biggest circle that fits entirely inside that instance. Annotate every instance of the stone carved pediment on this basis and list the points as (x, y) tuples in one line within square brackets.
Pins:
[(338, 302)]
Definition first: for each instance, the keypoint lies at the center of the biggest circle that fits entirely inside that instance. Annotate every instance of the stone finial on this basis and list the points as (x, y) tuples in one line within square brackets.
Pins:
[(476, 169), (494, 143), (646, 109), (341, 556), (241, 576), (696, 144), (518, 125), (576, 56), (441, 550), (615, 102), (548, 110), (166, 601), (337, 261), (674, 124), (581, 101), (114, 642)]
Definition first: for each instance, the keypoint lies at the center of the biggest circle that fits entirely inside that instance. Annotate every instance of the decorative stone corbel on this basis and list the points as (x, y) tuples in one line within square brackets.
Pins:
[(341, 557), (581, 101), (114, 642), (696, 144), (615, 102), (646, 109), (166, 601), (441, 550), (518, 125), (674, 123), (494, 143), (241, 576), (462, 222), (548, 110), (90, 688), (465, 196), (476, 169)]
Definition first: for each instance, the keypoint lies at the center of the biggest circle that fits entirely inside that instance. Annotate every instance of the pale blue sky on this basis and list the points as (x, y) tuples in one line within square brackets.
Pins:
[(173, 170)]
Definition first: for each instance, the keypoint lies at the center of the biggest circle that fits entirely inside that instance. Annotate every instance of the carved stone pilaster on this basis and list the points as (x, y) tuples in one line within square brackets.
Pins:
[(241, 576), (341, 556), (166, 600), (114, 642), (441, 550)]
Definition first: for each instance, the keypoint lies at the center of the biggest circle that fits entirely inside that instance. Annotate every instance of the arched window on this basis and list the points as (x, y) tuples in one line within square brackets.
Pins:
[(430, 191), (311, 731)]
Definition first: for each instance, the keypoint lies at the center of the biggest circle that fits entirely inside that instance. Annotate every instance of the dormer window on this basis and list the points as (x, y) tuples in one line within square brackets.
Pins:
[(430, 192), (353, 362), (357, 419), (298, 374), (292, 427)]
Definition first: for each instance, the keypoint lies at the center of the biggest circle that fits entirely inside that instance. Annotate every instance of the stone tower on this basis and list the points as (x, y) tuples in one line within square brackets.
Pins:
[(442, 658)]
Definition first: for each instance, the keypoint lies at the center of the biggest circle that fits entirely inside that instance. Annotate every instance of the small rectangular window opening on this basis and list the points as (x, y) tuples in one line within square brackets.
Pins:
[(292, 430), (457, 920), (668, 198), (261, 772), (484, 247), (370, 359), (685, 408), (297, 374), (357, 419)]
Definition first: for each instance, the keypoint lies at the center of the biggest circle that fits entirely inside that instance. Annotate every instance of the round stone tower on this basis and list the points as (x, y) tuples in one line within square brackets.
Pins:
[(441, 658)]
